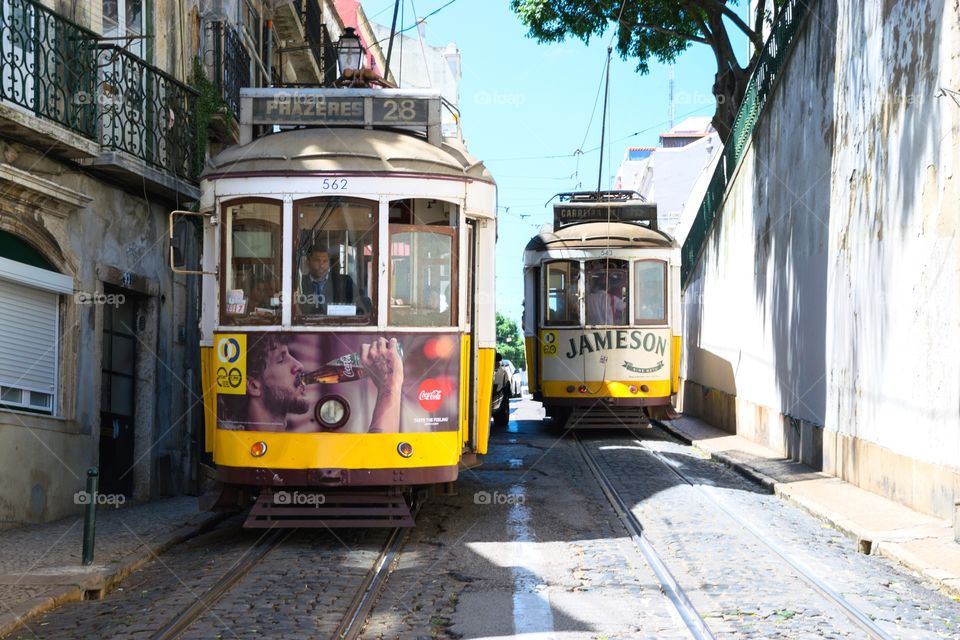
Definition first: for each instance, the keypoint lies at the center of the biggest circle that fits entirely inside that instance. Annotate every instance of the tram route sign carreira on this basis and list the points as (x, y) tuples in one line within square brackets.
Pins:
[(565, 213)]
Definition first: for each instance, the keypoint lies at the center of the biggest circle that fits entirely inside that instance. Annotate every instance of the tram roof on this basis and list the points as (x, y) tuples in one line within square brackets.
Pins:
[(346, 150), (586, 235)]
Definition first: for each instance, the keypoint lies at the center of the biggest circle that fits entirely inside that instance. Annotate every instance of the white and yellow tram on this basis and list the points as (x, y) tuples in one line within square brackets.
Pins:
[(602, 307), (347, 306)]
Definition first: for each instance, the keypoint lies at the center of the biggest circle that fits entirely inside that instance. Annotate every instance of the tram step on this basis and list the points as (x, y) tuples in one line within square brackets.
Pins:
[(607, 417), (309, 508)]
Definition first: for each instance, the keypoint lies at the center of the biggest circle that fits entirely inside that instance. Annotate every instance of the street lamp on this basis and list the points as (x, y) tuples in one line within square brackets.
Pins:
[(349, 51)]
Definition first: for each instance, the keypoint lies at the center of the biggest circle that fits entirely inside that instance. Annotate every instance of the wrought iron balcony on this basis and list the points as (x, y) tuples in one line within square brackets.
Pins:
[(146, 113), (47, 65), (60, 83), (231, 65)]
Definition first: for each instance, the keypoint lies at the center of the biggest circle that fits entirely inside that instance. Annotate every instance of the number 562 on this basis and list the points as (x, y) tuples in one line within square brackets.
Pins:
[(333, 184)]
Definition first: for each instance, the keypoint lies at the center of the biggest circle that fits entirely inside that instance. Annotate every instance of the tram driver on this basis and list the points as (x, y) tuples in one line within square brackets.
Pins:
[(321, 286)]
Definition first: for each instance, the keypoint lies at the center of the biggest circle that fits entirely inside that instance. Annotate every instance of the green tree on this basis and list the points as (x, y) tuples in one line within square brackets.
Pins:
[(661, 29), (510, 342)]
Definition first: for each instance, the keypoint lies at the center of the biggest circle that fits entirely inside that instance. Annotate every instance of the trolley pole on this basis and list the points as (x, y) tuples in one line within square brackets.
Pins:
[(90, 517)]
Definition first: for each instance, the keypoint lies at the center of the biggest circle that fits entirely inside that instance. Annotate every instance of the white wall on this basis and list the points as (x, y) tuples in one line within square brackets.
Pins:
[(829, 288)]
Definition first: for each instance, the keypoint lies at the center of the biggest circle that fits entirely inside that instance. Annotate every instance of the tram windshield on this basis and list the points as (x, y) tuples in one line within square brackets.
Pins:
[(334, 264), (651, 278), (608, 291), (251, 289), (563, 293)]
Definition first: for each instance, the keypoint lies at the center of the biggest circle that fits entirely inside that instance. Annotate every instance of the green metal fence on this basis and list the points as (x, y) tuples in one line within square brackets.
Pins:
[(759, 87)]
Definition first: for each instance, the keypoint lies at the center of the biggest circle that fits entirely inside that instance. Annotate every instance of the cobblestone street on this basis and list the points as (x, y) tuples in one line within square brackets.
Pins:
[(527, 545)]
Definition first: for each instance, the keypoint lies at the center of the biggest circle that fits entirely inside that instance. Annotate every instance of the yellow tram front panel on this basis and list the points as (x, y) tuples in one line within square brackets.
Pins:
[(335, 400), (336, 450), (621, 362)]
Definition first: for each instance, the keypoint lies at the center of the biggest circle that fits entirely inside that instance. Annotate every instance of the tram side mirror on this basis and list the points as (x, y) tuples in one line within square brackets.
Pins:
[(178, 259)]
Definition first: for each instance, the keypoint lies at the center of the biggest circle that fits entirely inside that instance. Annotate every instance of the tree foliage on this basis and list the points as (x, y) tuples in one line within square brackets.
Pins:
[(510, 342), (660, 29)]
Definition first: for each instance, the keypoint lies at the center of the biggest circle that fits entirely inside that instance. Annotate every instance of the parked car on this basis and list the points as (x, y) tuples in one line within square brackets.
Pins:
[(517, 382)]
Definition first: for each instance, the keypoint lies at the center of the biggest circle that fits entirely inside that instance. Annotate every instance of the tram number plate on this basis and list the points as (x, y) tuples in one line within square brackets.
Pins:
[(400, 110), (548, 343), (334, 184)]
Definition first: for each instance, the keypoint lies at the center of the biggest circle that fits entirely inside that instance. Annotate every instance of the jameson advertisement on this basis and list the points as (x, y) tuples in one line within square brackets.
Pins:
[(605, 354), (342, 383)]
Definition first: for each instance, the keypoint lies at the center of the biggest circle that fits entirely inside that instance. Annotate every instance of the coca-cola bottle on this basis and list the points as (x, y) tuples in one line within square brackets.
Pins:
[(343, 369)]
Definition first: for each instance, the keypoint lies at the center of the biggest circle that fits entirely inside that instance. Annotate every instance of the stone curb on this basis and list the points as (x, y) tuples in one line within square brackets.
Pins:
[(867, 542), (99, 585)]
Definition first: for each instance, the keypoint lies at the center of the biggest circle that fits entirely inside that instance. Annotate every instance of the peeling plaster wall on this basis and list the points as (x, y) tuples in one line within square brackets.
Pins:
[(829, 287), (43, 460)]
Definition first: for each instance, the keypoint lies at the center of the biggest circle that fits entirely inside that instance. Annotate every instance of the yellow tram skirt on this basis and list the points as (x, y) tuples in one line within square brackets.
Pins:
[(336, 450), (606, 389)]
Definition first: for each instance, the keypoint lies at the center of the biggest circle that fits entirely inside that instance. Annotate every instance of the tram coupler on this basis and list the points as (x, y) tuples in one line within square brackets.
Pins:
[(90, 516)]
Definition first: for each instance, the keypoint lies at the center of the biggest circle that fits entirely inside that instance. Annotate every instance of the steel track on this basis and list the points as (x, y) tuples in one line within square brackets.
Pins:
[(668, 583), (369, 592), (854, 614), (269, 541)]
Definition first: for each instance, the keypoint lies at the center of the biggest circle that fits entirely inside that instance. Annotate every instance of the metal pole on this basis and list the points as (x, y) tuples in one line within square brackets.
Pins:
[(603, 127), (393, 31), (90, 517)]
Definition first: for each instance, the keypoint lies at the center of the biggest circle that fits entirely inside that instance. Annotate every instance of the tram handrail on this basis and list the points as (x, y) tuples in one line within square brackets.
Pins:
[(171, 223)]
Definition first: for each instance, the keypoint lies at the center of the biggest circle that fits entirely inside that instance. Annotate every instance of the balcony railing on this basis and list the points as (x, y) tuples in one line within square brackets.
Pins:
[(231, 65), (63, 73), (146, 113), (47, 65)]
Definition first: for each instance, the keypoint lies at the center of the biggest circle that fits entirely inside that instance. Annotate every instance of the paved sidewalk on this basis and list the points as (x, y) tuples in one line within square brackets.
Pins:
[(920, 542), (40, 565)]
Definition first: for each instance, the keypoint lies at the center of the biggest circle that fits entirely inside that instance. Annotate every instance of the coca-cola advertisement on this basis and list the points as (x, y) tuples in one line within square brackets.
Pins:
[(340, 383)]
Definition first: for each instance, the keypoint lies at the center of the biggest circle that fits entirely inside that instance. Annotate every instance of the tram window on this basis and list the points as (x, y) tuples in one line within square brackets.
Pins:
[(651, 278), (563, 293), (335, 261), (423, 211), (251, 289), (422, 283), (608, 292)]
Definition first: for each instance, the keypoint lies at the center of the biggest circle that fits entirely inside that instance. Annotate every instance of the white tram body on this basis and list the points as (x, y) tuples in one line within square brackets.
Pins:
[(602, 306), (405, 223)]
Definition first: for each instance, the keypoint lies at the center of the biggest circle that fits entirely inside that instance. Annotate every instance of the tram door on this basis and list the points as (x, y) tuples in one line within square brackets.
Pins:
[(117, 388), (470, 301)]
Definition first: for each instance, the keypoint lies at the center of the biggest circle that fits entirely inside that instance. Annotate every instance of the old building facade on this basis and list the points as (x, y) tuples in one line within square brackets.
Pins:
[(108, 109)]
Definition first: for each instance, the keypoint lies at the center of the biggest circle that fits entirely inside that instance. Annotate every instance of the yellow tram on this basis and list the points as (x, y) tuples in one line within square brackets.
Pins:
[(602, 309), (347, 306)]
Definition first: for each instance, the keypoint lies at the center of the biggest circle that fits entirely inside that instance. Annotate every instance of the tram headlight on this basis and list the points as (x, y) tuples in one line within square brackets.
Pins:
[(332, 412), (633, 388), (405, 449), (583, 388), (257, 449)]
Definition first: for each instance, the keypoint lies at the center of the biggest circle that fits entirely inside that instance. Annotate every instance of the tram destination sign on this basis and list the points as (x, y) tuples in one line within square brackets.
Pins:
[(565, 213), (342, 107)]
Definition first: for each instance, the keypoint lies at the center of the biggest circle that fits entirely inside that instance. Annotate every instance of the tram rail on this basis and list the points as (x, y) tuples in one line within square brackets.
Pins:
[(267, 543), (855, 615), (695, 624), (668, 583)]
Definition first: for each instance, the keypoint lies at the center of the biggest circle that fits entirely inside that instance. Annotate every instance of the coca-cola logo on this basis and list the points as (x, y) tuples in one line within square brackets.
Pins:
[(430, 395)]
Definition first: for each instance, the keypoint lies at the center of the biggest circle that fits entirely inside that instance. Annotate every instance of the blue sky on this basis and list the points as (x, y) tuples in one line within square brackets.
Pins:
[(526, 108)]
